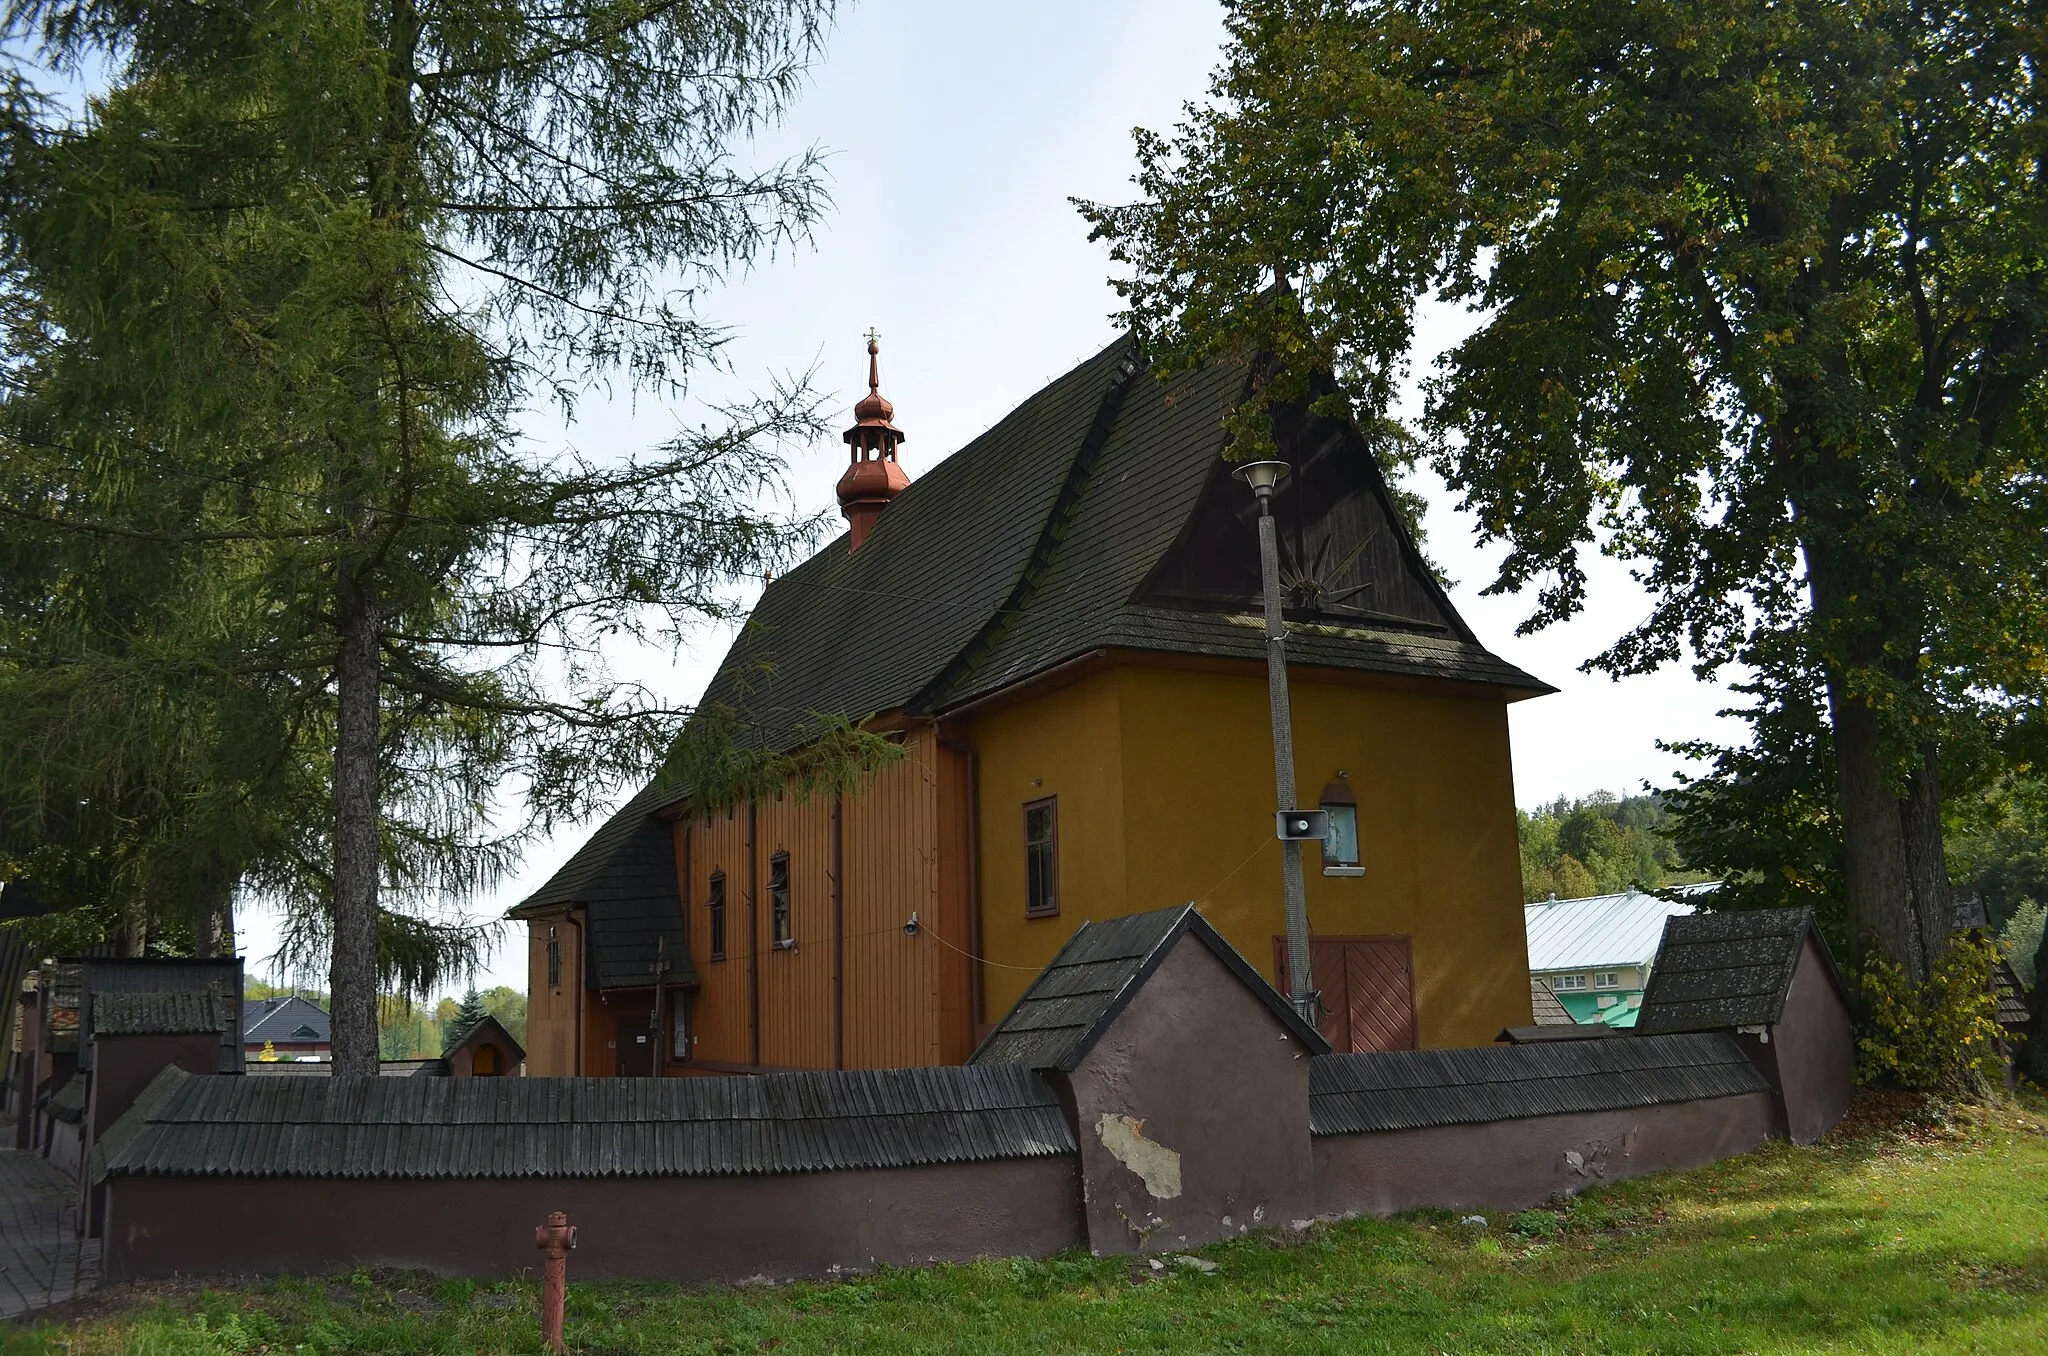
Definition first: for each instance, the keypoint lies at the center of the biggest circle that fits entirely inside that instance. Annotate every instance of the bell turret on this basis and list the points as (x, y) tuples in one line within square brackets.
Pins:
[(873, 478)]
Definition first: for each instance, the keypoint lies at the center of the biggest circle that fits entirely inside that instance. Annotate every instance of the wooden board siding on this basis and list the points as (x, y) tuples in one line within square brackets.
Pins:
[(551, 1012), (892, 987), (718, 842), (905, 847), (796, 982), (955, 795)]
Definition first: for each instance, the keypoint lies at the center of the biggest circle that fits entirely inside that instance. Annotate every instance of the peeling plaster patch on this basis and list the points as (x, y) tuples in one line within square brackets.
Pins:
[(1157, 1166)]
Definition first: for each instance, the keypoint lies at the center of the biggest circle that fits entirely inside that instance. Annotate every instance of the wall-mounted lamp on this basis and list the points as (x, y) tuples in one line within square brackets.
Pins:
[(911, 925)]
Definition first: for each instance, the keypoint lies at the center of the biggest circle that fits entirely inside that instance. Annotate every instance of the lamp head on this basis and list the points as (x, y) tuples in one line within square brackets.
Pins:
[(1262, 476)]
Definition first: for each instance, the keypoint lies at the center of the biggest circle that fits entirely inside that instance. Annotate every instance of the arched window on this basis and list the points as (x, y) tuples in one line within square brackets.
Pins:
[(486, 1062)]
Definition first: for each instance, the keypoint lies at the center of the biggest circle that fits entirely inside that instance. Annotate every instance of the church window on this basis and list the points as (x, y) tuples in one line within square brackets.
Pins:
[(1041, 858), (778, 900), (714, 914)]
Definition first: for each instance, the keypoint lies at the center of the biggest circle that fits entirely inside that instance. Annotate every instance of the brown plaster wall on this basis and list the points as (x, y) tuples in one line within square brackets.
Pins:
[(123, 1066), (674, 1228), (1509, 1165), (1192, 1113), (1813, 1060)]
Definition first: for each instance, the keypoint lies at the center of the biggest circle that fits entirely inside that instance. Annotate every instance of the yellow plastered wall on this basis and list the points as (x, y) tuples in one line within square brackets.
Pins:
[(1165, 779), (1064, 744)]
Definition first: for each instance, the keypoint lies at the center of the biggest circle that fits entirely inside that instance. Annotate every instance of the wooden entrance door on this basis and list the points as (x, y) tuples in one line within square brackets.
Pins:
[(1368, 990), (633, 1046)]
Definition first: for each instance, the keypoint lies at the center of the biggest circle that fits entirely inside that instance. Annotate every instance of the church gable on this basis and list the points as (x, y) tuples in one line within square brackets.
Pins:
[(1345, 556)]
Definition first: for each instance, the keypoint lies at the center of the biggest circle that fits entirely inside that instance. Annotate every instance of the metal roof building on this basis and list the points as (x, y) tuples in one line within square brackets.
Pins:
[(1577, 939)]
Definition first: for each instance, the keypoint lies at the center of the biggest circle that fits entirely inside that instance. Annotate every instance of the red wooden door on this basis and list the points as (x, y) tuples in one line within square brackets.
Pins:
[(1368, 990)]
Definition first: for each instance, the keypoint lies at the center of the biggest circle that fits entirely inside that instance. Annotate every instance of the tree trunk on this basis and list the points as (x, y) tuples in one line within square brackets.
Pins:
[(1926, 864), (135, 925), (352, 971), (1877, 897), (1877, 900), (213, 932)]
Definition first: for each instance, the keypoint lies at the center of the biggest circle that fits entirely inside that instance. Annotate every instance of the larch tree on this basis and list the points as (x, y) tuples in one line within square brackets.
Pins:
[(318, 260), (1760, 295)]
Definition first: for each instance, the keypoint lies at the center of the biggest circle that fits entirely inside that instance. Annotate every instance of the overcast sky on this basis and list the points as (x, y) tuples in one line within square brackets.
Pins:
[(958, 133)]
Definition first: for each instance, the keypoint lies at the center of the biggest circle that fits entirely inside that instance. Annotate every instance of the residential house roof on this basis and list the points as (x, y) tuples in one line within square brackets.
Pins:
[(286, 1019), (1095, 517), (1409, 1089), (161, 1014), (1077, 996), (1602, 931), (1721, 970), (584, 1127)]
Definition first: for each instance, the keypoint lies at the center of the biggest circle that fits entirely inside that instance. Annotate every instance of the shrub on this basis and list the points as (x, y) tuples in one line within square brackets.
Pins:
[(1941, 1036)]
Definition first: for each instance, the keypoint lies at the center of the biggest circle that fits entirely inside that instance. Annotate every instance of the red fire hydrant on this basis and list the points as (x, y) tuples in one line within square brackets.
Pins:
[(554, 1239)]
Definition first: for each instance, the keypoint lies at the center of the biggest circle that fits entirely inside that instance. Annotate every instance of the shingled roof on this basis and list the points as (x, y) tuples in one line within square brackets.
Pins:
[(1716, 971), (418, 1128), (1074, 999), (1087, 520), (161, 1014), (625, 877), (2013, 1011), (1544, 1006), (1097, 517), (143, 989), (1410, 1089)]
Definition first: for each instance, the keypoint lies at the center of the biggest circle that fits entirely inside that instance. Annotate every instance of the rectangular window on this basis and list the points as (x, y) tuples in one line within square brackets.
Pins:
[(714, 914), (1563, 982), (1042, 858), (778, 900), (1607, 979), (554, 960)]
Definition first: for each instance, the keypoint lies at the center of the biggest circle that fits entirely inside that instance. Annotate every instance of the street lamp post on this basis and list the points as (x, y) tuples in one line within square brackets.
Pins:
[(1262, 476)]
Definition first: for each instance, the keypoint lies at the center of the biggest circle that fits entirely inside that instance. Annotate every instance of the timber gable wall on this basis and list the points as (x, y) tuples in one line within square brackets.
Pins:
[(854, 990)]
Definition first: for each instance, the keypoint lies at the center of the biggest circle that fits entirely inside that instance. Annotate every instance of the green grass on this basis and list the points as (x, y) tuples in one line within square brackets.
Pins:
[(1921, 1232)]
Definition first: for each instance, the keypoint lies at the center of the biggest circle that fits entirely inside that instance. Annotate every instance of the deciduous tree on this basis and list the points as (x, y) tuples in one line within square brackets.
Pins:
[(1760, 293)]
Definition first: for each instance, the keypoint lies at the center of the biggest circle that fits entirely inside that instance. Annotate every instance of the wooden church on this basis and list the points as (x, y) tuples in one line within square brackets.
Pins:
[(1061, 622)]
